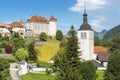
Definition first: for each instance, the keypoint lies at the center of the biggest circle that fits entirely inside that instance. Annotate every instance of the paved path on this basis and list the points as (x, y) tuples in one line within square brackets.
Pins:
[(14, 75)]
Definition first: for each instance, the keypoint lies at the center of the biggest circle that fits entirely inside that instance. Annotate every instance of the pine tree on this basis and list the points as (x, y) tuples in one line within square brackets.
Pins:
[(67, 60), (63, 43)]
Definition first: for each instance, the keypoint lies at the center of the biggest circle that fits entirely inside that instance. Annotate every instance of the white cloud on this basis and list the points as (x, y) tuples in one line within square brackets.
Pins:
[(91, 5), (97, 23)]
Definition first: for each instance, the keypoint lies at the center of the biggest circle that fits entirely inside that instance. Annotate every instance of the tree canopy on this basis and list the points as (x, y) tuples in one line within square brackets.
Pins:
[(4, 69), (67, 60), (88, 71), (18, 42), (22, 54), (32, 51), (63, 43), (113, 68), (59, 35), (43, 36)]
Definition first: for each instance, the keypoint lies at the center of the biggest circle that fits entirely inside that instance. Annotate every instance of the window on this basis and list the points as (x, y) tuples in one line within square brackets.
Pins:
[(81, 35), (85, 35)]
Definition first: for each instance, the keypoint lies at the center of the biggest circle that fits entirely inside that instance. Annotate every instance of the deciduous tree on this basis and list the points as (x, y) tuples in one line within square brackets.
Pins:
[(22, 54), (43, 36), (4, 69), (88, 71), (59, 35)]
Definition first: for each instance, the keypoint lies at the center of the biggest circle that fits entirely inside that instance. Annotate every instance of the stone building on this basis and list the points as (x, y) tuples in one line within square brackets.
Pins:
[(34, 26), (40, 24), (4, 29)]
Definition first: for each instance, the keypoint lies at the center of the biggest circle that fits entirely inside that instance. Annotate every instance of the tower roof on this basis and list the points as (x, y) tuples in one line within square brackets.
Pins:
[(52, 18), (85, 25)]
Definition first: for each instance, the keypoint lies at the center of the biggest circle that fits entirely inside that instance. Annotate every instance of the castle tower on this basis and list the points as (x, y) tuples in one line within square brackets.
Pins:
[(85, 36), (52, 26)]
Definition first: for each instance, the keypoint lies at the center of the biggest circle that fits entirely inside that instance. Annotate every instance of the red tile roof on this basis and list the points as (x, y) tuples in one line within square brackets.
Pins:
[(4, 25), (39, 19), (16, 24), (99, 49)]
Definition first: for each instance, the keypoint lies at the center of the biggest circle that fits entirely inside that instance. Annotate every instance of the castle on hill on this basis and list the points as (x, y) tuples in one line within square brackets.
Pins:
[(32, 27)]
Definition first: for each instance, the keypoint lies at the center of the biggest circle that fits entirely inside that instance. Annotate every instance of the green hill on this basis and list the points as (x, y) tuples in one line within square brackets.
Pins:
[(47, 51), (114, 32)]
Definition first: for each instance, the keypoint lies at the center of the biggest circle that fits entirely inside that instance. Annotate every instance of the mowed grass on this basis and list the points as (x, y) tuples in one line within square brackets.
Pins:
[(47, 51), (33, 76), (100, 75)]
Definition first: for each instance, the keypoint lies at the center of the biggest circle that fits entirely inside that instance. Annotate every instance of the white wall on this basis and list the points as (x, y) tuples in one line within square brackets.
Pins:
[(52, 28), (17, 29), (105, 64), (23, 69), (86, 45), (37, 28), (2, 30)]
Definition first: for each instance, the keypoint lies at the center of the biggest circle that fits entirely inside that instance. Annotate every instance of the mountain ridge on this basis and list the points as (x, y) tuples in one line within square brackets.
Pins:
[(114, 32)]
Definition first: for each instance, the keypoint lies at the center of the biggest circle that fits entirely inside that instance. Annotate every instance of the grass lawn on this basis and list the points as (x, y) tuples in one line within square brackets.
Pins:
[(100, 75), (33, 76), (44, 64)]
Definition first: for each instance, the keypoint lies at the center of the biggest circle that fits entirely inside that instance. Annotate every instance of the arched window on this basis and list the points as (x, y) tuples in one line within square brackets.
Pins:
[(82, 35), (85, 35)]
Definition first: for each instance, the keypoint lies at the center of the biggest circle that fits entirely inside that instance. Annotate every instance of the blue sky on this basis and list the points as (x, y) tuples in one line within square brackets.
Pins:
[(102, 14)]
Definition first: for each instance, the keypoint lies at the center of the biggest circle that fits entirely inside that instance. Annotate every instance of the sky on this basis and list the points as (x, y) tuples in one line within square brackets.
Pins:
[(102, 14)]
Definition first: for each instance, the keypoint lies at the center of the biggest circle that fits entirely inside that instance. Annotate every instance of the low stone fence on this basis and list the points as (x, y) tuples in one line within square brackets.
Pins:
[(37, 69), (7, 56), (101, 68)]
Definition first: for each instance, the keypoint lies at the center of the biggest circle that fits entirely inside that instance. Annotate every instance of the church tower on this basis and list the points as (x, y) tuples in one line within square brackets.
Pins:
[(85, 36)]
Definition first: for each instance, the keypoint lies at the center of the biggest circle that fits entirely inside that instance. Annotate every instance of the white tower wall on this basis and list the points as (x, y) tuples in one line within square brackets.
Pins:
[(52, 28), (86, 44)]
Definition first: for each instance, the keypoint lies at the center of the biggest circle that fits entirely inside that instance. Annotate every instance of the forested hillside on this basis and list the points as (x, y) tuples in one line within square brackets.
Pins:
[(114, 32)]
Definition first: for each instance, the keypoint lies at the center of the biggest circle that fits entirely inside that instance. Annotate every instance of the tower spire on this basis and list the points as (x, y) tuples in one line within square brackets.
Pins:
[(84, 6), (85, 13)]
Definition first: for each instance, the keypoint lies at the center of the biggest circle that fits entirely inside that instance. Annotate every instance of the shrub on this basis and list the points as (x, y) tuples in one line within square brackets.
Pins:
[(1, 50), (48, 72), (21, 54), (4, 44), (8, 49)]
